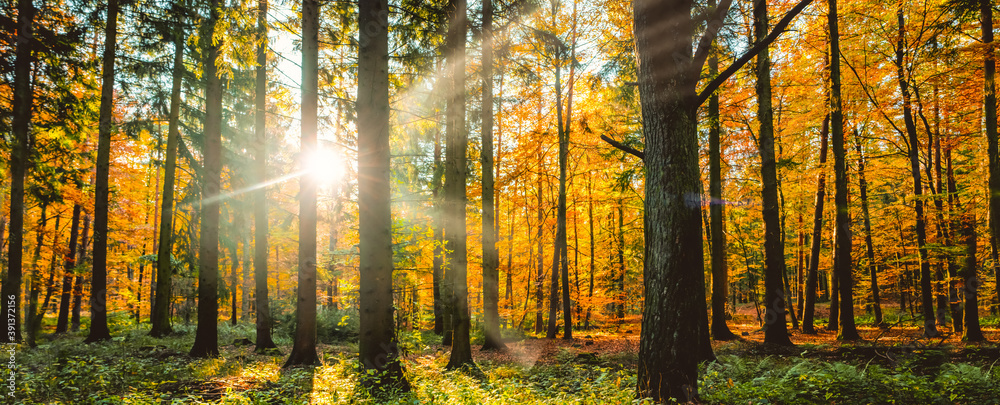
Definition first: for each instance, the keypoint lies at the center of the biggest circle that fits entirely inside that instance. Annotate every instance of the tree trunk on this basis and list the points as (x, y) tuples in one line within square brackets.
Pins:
[(19, 158), (817, 235), (621, 263), (776, 331), (673, 277), (720, 268), (441, 311), (590, 222), (870, 250), (261, 302), (304, 344), (234, 278), (79, 280), (69, 267), (843, 244), (972, 331), (378, 349), (160, 318), (454, 186), (491, 256), (990, 103), (927, 297), (34, 278), (540, 276), (206, 341), (99, 279)]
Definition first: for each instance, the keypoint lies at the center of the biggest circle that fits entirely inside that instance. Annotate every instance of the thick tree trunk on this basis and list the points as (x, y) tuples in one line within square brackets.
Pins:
[(927, 297), (673, 277), (99, 279), (378, 349), (817, 234), (69, 266), (990, 109), (160, 318), (491, 256), (206, 341), (260, 248), (454, 186), (776, 330), (19, 159), (304, 343), (843, 245)]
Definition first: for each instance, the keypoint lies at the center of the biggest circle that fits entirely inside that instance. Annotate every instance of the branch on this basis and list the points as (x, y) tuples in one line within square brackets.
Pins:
[(713, 26), (739, 63), (637, 153)]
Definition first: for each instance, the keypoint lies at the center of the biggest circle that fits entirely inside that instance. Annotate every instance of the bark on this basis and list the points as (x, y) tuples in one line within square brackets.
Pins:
[(491, 256), (99, 279), (927, 297), (540, 276), (775, 329), (19, 158), (160, 317), (69, 267), (817, 235), (34, 278), (843, 245), (262, 304), (441, 310), (79, 280), (454, 186), (720, 268), (590, 222), (673, 277), (378, 349), (990, 109), (234, 279), (304, 343), (869, 247), (206, 341)]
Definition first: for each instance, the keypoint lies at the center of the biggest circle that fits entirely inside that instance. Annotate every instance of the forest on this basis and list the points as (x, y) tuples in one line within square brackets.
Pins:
[(374, 201)]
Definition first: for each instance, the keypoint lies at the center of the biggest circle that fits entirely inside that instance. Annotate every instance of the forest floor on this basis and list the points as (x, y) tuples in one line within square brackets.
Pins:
[(896, 365)]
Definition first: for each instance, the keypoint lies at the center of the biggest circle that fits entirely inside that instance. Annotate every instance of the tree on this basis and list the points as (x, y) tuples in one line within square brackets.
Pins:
[(160, 317), (491, 256), (927, 303), (812, 274), (304, 347), (842, 247), (264, 341), (378, 348), (870, 250), (454, 186), (720, 270), (69, 267), (98, 292), (990, 111), (19, 160), (674, 284), (206, 341), (776, 331)]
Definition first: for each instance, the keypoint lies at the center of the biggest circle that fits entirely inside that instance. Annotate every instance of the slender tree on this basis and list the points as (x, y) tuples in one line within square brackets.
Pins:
[(160, 318), (869, 246), (454, 186), (812, 274), (491, 256), (262, 303), (206, 340), (927, 296), (776, 330), (304, 346), (99, 279), (843, 244), (69, 267), (720, 270)]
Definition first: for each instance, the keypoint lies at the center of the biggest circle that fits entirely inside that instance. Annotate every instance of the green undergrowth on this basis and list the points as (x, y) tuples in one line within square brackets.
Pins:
[(136, 369)]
